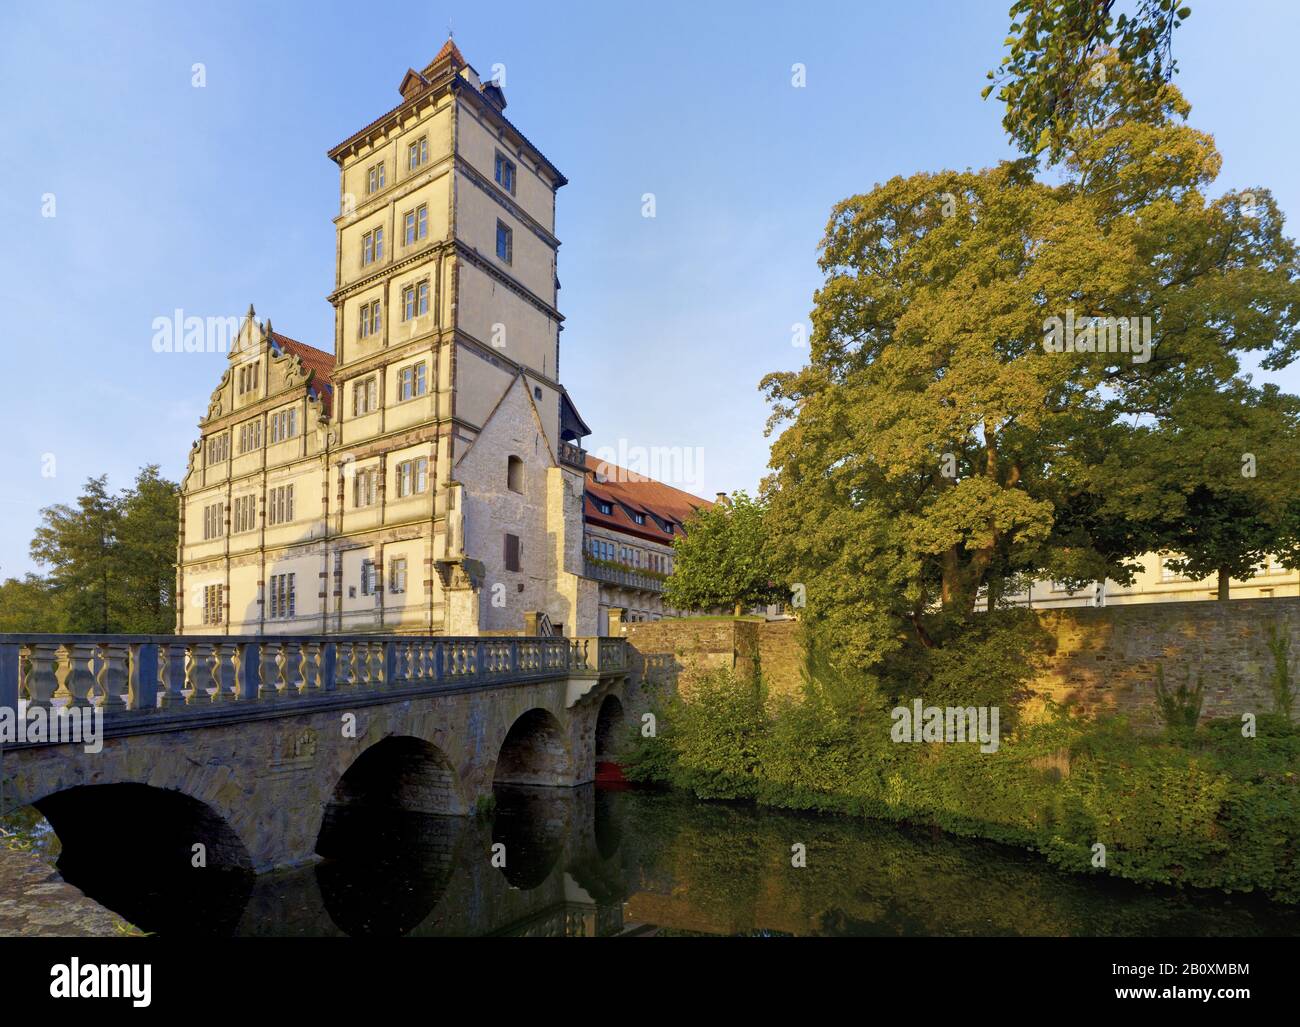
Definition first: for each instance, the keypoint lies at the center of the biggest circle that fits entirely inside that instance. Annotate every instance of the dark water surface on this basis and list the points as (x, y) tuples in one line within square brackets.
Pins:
[(588, 861)]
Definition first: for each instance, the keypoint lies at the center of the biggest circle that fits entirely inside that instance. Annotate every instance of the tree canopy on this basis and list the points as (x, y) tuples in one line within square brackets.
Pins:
[(111, 562), (724, 559), (935, 447)]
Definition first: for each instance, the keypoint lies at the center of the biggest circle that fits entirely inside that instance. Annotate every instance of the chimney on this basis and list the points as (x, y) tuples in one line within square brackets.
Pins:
[(721, 498)]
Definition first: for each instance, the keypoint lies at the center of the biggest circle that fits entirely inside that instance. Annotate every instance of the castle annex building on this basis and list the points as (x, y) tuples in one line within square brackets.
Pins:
[(427, 474)]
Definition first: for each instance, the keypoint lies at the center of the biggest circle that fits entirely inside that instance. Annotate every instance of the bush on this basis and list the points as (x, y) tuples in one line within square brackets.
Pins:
[(1203, 807)]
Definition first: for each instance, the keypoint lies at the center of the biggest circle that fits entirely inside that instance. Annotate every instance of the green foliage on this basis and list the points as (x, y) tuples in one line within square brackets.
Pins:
[(1179, 708), (933, 450), (724, 559), (1205, 807), (1280, 682), (111, 560), (1053, 47)]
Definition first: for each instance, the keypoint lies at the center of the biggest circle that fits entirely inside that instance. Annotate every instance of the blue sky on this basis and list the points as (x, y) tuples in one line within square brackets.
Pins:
[(207, 199)]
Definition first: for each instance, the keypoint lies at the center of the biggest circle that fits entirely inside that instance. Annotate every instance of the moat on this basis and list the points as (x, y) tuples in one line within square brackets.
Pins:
[(597, 862)]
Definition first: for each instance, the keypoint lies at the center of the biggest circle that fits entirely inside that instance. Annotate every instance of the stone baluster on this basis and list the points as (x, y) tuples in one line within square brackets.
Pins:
[(200, 674), (361, 663), (223, 672), (311, 668), (111, 678), (268, 690), (344, 676), (142, 676), (173, 669), (291, 657), (76, 674), (42, 678)]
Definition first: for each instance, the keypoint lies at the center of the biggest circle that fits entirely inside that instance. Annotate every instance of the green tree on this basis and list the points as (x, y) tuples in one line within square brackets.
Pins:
[(30, 604), (78, 544), (934, 447), (1054, 48), (1216, 481), (147, 538), (111, 559), (724, 559)]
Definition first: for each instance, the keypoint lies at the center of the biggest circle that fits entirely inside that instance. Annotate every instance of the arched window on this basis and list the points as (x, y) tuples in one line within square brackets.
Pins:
[(515, 474)]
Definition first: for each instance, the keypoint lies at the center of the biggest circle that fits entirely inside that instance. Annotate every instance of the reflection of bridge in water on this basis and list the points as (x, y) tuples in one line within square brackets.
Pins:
[(242, 744)]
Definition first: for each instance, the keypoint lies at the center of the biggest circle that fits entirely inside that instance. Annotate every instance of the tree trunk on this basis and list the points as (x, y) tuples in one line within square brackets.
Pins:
[(1223, 584)]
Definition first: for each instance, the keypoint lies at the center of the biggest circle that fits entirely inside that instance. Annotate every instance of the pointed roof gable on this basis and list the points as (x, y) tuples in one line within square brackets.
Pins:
[(318, 364), (448, 58)]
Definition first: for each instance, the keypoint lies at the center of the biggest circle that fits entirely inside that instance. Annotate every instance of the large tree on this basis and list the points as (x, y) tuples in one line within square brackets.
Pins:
[(724, 559), (936, 446), (147, 540)]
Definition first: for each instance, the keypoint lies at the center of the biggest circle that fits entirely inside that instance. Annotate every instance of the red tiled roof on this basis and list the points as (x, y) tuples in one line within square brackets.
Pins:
[(627, 491), (318, 364)]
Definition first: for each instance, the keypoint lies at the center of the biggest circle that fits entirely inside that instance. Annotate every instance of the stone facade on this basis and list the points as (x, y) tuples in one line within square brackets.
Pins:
[(254, 789), (1100, 661)]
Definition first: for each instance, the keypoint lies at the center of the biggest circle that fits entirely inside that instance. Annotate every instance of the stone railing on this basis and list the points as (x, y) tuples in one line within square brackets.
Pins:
[(574, 456), (140, 673), (628, 577)]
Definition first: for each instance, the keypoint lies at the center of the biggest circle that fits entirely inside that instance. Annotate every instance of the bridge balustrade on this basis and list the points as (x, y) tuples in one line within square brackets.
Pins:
[(125, 674)]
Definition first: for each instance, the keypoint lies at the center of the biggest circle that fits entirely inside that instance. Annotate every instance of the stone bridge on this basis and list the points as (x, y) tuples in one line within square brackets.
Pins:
[(241, 744)]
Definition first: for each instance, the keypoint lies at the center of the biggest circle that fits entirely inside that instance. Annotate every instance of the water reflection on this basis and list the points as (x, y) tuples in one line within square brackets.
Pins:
[(589, 862)]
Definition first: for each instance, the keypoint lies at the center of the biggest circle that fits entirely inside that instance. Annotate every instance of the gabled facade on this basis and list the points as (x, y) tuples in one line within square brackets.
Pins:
[(373, 485)]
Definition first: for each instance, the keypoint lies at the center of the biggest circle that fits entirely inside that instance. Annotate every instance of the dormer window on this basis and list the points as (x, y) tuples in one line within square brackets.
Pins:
[(638, 518), (603, 507)]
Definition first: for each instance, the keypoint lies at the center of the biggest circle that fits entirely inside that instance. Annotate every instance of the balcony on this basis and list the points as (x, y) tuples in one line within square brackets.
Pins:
[(574, 456), (624, 577)]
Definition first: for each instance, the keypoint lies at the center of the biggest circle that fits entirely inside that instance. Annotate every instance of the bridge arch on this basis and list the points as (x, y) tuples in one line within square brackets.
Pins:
[(535, 751), (406, 773), (609, 729)]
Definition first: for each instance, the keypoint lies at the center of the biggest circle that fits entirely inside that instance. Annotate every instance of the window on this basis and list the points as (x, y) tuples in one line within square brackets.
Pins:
[(412, 476), (515, 474), (372, 246), (282, 596), (417, 153), (411, 382), (375, 177), (212, 605), (245, 514), (512, 552), (397, 575), (415, 224), (505, 172), (218, 448), (250, 436), (363, 488), (214, 521), (415, 300), (365, 396), (505, 241), (638, 518), (369, 319), (284, 425), (247, 378), (603, 507), (367, 577), (279, 509)]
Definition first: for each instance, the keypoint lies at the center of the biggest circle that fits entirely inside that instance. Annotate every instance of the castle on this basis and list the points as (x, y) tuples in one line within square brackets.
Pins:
[(428, 474)]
